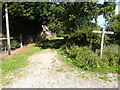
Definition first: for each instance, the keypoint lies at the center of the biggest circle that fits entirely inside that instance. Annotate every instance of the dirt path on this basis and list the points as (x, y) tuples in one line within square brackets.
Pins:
[(46, 70)]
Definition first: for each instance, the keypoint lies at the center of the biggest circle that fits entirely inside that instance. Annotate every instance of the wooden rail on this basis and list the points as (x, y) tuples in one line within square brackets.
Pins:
[(5, 38)]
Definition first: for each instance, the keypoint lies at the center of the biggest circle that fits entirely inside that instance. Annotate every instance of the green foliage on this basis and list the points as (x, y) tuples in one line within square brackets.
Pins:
[(15, 44), (83, 57), (114, 25), (71, 15), (111, 55), (56, 27), (87, 59), (84, 36), (64, 19), (105, 78), (108, 7)]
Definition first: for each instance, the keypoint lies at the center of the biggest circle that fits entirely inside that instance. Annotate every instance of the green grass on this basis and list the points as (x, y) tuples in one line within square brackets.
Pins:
[(17, 62), (82, 76), (113, 69), (105, 78)]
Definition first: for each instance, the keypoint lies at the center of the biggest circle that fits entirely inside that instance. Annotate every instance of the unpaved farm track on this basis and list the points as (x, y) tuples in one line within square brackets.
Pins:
[(46, 70)]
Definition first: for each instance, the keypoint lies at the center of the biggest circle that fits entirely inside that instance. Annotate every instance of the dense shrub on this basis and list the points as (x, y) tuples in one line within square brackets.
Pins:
[(86, 58), (110, 56), (83, 36), (83, 57), (14, 44)]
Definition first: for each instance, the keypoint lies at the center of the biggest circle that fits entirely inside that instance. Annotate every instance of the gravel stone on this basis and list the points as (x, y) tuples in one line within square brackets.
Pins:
[(45, 70)]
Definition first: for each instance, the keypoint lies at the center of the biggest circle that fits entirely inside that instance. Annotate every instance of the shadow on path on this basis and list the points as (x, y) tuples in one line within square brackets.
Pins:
[(53, 44)]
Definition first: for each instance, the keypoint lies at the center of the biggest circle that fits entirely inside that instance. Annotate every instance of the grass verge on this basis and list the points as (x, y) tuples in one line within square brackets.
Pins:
[(91, 69), (105, 78), (17, 62)]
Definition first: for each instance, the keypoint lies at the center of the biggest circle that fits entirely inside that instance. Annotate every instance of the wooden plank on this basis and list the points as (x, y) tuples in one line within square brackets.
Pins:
[(5, 38), (94, 31), (109, 32), (103, 32)]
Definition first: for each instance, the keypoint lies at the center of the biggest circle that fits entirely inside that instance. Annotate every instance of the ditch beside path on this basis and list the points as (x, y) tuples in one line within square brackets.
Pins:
[(47, 70)]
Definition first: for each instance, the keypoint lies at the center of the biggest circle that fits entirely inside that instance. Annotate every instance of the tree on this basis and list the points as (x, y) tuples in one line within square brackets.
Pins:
[(114, 25), (67, 18)]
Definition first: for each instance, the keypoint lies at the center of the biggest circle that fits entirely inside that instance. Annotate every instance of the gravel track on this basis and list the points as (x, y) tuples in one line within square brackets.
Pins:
[(46, 70)]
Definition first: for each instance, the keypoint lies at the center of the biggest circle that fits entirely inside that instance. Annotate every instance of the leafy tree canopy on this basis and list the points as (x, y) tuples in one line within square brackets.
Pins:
[(114, 25), (62, 17)]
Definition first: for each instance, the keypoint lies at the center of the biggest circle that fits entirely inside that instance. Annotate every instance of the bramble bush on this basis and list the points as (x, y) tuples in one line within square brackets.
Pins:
[(84, 57)]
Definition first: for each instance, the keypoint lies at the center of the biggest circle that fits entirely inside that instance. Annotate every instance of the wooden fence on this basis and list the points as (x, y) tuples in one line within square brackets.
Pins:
[(4, 47)]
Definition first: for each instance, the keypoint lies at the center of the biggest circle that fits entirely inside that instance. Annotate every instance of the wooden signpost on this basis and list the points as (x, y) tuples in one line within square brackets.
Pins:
[(103, 32), (7, 28)]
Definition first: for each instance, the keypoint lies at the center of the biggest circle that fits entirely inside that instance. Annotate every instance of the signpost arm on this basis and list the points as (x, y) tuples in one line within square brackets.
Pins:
[(102, 39), (7, 28)]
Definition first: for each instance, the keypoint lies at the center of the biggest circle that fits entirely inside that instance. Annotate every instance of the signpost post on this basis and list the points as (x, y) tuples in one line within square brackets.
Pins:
[(103, 32), (7, 28)]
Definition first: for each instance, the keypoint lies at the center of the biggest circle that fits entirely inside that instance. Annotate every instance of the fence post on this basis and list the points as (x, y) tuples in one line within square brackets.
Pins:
[(7, 28), (21, 45), (5, 46)]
